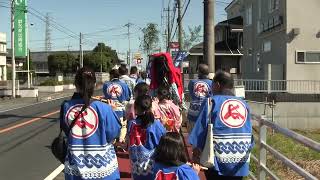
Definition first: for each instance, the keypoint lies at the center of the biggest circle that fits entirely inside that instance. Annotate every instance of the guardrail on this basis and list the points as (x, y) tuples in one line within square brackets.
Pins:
[(271, 86), (264, 147)]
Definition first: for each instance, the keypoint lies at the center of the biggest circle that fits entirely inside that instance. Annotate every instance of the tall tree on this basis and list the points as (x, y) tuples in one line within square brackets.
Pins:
[(102, 56), (62, 62), (193, 37), (150, 38)]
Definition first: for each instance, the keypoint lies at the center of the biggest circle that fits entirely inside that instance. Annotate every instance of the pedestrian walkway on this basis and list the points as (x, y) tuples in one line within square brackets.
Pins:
[(124, 162), (9, 103)]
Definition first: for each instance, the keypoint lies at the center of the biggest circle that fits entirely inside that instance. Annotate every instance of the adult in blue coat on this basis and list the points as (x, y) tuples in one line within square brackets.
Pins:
[(94, 126)]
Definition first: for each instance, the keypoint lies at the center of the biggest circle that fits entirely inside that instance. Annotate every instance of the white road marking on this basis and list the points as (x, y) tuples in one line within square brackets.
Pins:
[(55, 173), (34, 104)]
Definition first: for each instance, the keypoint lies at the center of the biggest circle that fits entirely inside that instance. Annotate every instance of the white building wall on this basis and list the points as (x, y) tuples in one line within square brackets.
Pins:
[(304, 16), (3, 58)]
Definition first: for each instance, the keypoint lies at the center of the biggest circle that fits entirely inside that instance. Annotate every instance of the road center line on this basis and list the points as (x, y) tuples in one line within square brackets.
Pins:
[(27, 122), (55, 173)]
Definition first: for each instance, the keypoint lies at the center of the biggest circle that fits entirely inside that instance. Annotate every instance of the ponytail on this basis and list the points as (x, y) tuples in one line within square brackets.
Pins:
[(144, 103), (85, 81)]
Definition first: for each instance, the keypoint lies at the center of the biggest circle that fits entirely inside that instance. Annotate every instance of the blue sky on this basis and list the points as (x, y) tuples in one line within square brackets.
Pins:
[(89, 16)]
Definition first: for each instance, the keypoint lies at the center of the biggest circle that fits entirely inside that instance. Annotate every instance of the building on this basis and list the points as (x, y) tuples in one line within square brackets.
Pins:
[(3, 57), (228, 47), (281, 38), (40, 59)]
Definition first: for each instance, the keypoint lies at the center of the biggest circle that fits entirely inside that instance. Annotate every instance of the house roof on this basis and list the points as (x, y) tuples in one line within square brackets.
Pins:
[(221, 48), (236, 22)]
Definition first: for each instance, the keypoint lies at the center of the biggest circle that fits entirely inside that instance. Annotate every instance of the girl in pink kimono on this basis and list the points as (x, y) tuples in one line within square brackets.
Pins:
[(164, 109)]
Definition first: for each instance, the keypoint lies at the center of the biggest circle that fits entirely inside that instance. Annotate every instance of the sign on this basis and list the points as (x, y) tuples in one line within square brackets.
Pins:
[(181, 56), (201, 89), (115, 90), (233, 113), (20, 22), (86, 123), (174, 45), (137, 56)]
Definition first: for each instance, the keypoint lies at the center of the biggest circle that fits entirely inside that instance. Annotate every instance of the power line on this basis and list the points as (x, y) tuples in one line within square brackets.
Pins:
[(184, 12)]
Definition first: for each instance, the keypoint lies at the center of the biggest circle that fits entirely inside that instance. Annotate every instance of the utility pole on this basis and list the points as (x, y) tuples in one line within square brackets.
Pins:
[(209, 42), (168, 27), (101, 58), (81, 51), (13, 51), (180, 26), (129, 49)]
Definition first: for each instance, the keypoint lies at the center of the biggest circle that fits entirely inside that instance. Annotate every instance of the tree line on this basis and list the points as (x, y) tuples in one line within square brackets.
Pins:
[(101, 58)]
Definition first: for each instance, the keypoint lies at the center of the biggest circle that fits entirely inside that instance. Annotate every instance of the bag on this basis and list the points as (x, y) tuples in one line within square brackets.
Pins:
[(207, 155), (59, 145)]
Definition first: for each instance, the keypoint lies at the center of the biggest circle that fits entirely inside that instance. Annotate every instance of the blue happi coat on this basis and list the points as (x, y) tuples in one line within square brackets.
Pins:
[(91, 154), (142, 143), (232, 134), (119, 92), (182, 172), (199, 89)]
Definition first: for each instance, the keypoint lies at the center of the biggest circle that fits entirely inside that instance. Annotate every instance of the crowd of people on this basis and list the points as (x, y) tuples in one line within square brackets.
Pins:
[(148, 125)]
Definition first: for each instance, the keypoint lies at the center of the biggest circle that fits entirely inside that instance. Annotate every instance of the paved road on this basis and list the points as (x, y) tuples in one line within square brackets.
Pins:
[(25, 138)]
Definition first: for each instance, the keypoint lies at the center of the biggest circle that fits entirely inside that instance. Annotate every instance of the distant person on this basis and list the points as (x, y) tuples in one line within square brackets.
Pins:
[(134, 73), (144, 78), (199, 90), (94, 126), (232, 131), (140, 90), (119, 94), (144, 135), (125, 78), (164, 109), (171, 160)]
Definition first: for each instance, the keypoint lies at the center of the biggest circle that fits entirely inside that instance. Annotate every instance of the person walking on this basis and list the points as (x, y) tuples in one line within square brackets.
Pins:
[(171, 160), (199, 90), (123, 71), (229, 117), (119, 95), (91, 128), (144, 133), (164, 109)]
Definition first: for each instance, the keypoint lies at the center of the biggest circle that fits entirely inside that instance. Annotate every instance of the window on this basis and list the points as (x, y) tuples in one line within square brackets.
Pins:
[(273, 5), (266, 46), (308, 56), (250, 52), (2, 48), (258, 63), (258, 27), (248, 17)]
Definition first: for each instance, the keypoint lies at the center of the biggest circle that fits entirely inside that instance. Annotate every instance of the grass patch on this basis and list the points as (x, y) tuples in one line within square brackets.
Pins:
[(298, 153)]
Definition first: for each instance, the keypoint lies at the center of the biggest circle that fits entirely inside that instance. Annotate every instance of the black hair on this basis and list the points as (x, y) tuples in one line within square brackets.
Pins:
[(203, 71), (163, 92), (170, 150), (143, 75), (85, 82), (133, 70), (141, 89), (161, 69), (123, 70), (224, 79), (114, 73), (144, 103)]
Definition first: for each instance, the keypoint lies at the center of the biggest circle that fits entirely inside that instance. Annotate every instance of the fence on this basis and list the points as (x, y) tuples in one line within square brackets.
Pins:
[(282, 86), (263, 170)]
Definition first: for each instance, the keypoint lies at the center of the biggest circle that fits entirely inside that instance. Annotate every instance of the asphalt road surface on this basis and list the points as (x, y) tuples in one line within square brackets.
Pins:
[(25, 138)]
